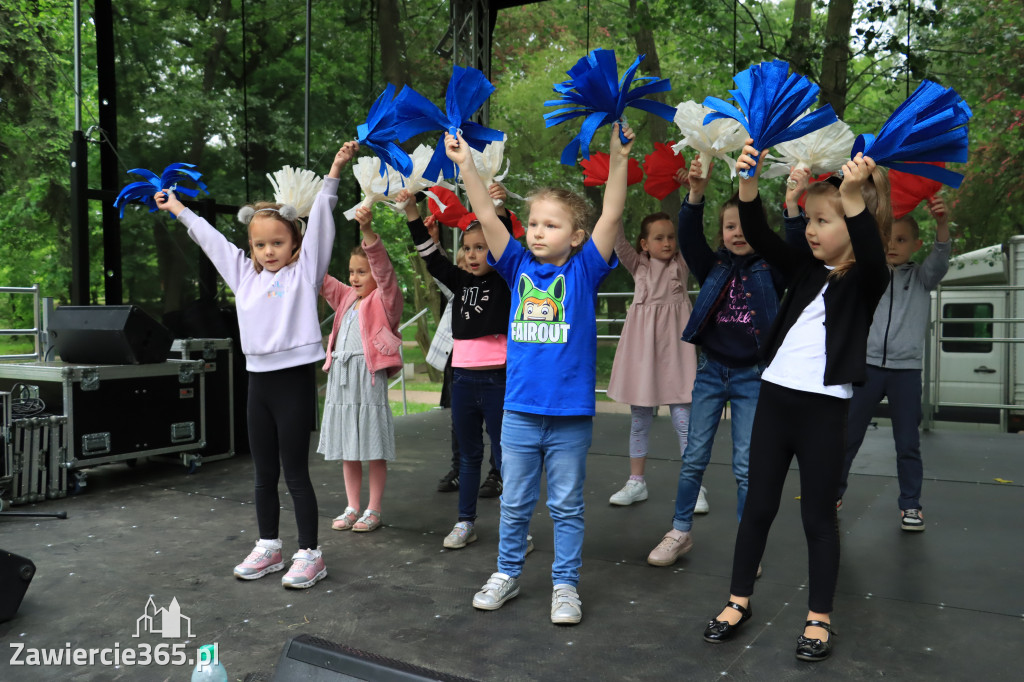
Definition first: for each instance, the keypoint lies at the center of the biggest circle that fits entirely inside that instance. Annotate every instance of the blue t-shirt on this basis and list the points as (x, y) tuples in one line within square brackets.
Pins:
[(552, 330)]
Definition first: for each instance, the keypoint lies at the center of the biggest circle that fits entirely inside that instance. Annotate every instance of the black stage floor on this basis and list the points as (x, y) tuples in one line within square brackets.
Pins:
[(944, 604)]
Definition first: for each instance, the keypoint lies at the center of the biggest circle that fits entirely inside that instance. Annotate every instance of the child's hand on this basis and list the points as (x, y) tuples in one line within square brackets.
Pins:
[(497, 192), (166, 201), (344, 155), (698, 183), (937, 207), (457, 149), (407, 200), (748, 186), (798, 182), (856, 172), (619, 150), (364, 215)]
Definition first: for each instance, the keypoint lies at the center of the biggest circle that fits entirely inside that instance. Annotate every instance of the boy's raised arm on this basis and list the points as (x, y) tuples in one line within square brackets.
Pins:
[(495, 233)]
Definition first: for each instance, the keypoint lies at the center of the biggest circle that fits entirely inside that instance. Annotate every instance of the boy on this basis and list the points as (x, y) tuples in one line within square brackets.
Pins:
[(895, 348)]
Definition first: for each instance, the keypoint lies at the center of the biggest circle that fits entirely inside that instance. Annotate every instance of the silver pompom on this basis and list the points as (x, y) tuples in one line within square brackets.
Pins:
[(288, 212), (245, 214)]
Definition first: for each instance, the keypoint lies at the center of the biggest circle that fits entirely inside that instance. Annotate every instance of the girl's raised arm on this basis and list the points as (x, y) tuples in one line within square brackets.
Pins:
[(495, 233), (614, 193)]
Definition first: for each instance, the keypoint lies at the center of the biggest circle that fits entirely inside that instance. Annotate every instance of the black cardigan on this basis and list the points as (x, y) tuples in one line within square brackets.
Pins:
[(850, 300)]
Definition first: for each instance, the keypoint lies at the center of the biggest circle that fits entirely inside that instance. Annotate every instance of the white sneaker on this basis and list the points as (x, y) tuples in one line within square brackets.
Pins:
[(702, 502), (633, 491), (462, 534), (566, 606)]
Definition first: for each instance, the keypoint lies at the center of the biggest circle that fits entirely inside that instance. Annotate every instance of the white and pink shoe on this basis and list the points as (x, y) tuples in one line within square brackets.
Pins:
[(307, 569), (264, 558)]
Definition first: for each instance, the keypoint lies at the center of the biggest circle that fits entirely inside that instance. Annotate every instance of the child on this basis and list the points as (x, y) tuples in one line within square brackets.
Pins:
[(652, 365), (363, 351), (275, 293), (815, 352), (552, 347), (895, 347), (738, 300), (479, 318)]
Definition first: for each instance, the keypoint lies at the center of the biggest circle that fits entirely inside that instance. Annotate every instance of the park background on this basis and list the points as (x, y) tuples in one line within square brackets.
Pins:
[(220, 84)]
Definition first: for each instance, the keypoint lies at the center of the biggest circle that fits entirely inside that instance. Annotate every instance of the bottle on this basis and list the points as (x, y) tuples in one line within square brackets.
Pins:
[(208, 667)]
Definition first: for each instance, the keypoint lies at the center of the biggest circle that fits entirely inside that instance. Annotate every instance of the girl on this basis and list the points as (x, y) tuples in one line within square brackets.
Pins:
[(815, 352), (275, 293), (652, 366), (363, 351), (739, 298), (479, 318), (552, 347)]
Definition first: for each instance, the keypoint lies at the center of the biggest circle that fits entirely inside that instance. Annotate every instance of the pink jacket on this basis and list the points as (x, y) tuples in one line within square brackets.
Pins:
[(379, 314)]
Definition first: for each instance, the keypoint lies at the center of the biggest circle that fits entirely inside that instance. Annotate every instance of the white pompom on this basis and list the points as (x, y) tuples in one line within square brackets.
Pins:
[(288, 212), (245, 214), (297, 188)]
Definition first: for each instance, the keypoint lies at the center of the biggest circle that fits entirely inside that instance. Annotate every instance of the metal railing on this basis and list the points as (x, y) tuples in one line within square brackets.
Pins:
[(931, 403), (35, 331)]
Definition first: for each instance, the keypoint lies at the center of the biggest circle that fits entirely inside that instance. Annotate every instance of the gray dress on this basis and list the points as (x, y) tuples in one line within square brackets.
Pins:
[(357, 423)]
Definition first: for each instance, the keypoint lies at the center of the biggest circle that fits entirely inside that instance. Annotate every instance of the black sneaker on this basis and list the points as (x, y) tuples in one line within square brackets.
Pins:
[(912, 520), (492, 486), (450, 482)]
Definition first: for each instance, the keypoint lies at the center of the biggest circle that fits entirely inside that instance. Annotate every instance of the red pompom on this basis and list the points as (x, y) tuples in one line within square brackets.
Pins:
[(454, 212), (910, 190), (595, 170), (661, 167)]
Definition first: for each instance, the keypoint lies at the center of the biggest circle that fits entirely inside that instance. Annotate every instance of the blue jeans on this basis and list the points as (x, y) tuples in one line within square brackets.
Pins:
[(478, 397), (558, 446), (715, 385)]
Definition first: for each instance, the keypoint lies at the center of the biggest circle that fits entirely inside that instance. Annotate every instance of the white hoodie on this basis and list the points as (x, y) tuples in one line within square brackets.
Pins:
[(277, 311)]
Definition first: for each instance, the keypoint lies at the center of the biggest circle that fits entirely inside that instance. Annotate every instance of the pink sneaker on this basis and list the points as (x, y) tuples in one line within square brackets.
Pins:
[(264, 558), (307, 569)]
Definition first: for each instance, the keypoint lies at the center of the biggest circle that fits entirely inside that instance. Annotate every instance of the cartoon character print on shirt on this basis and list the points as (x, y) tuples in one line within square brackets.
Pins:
[(541, 313), (276, 290)]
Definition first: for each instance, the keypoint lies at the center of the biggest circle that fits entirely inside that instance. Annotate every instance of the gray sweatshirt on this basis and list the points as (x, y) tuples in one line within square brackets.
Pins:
[(896, 340)]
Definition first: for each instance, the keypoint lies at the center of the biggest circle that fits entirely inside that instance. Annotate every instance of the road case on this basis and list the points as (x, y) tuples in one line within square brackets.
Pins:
[(119, 412), (5, 446), (217, 356)]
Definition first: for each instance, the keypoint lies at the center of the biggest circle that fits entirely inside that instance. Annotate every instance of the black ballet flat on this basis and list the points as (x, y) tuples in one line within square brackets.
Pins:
[(808, 649), (722, 630)]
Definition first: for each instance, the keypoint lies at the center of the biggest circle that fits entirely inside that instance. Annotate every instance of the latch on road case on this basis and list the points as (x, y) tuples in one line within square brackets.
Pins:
[(186, 373), (209, 352), (90, 379), (96, 443), (183, 432)]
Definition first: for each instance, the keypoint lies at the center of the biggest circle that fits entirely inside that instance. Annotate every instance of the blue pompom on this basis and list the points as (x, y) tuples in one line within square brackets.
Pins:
[(143, 191)]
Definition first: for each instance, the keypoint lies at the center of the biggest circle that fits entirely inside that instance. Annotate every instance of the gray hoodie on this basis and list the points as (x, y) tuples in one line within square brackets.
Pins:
[(896, 340)]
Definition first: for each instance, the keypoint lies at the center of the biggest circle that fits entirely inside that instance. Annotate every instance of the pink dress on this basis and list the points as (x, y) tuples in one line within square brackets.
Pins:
[(653, 365)]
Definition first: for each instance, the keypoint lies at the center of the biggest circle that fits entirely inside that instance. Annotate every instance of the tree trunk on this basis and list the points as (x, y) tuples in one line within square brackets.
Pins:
[(425, 294), (393, 64), (836, 56), (651, 66), (799, 44)]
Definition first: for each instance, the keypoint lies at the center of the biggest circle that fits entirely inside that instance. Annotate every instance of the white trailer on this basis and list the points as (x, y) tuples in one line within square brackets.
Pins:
[(974, 357)]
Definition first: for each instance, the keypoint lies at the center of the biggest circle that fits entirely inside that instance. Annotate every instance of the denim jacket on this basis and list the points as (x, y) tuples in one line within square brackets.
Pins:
[(762, 283)]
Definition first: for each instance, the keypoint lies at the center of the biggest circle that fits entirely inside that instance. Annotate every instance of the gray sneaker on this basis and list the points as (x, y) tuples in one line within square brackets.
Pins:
[(462, 534), (566, 607), (498, 589), (633, 491)]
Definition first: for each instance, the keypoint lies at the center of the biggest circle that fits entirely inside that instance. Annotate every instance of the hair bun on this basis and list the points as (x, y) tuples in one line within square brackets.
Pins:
[(245, 214), (288, 212)]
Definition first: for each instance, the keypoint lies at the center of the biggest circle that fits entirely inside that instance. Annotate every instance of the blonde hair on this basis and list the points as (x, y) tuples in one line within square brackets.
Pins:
[(877, 199), (578, 208), (268, 209)]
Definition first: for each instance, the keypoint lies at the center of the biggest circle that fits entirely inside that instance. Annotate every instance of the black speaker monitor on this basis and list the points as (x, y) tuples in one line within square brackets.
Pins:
[(311, 659), (15, 574), (108, 335)]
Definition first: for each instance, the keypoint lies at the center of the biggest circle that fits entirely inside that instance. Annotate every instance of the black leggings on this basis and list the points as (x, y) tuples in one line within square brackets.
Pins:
[(282, 414), (813, 427)]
